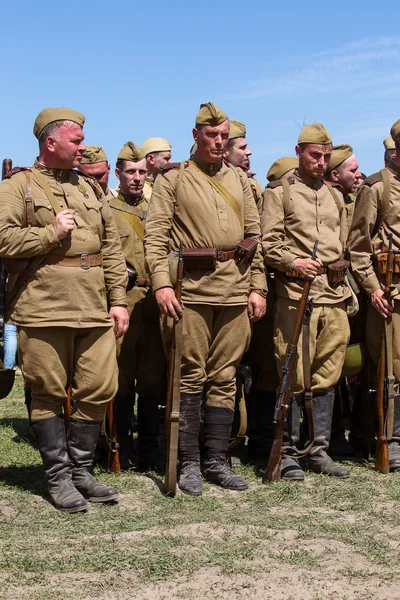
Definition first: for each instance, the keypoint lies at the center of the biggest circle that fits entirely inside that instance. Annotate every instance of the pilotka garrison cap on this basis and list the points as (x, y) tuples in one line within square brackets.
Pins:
[(130, 151), (281, 166), (209, 114), (237, 129), (339, 155), (314, 134), (93, 155), (50, 115)]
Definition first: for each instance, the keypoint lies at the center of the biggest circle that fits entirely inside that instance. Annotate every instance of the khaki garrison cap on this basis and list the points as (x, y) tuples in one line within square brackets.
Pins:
[(49, 115), (339, 155), (236, 129), (282, 166), (395, 129), (131, 152), (314, 134), (155, 144), (209, 114), (93, 155), (389, 143)]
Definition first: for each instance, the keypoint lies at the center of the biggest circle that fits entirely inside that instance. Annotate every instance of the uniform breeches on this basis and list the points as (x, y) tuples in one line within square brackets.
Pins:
[(214, 340), (373, 335), (56, 358), (329, 335)]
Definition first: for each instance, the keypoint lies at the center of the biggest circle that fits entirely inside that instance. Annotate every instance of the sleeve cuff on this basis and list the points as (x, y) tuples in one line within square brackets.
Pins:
[(258, 281), (160, 280), (48, 238), (117, 297)]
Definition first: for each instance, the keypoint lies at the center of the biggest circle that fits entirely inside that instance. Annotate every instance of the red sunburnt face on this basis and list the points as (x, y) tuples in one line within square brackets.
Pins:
[(68, 146), (348, 174), (132, 177), (211, 141), (314, 159), (99, 171)]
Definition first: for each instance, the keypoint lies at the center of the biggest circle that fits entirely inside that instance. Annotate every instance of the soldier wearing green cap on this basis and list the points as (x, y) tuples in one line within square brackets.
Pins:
[(296, 213), (68, 301), (390, 150), (95, 164), (208, 205), (158, 153), (376, 216), (343, 174), (140, 352)]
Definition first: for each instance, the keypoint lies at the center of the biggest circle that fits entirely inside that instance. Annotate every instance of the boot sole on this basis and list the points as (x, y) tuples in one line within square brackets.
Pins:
[(191, 493), (227, 487), (75, 509), (102, 498)]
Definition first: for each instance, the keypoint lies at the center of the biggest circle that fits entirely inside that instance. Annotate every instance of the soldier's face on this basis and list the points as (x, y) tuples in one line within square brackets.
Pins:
[(314, 159), (67, 146), (160, 159), (239, 153), (99, 171), (211, 141), (348, 174), (132, 177)]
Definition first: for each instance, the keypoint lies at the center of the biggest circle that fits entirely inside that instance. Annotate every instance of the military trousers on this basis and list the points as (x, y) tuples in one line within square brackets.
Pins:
[(56, 358), (214, 340), (329, 335), (373, 335)]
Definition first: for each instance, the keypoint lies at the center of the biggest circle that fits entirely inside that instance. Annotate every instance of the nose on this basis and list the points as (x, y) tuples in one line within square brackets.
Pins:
[(248, 152), (82, 147)]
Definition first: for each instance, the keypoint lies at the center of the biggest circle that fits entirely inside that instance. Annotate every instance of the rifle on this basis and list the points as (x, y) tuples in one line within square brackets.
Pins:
[(384, 387), (273, 470), (173, 389), (112, 442)]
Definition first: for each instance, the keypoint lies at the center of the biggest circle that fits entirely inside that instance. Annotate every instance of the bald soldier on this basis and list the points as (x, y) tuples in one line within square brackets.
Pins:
[(296, 213), (376, 216), (390, 150), (209, 206), (158, 153), (343, 174), (141, 358), (69, 302), (95, 164)]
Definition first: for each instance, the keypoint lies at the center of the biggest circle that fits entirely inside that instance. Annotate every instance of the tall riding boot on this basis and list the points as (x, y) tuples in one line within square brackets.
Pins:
[(51, 440), (394, 444), (318, 460), (218, 424), (82, 440), (123, 411), (148, 422), (290, 467), (261, 427), (189, 452)]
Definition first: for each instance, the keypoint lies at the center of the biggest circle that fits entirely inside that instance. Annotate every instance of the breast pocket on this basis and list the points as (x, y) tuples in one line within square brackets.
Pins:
[(43, 212), (90, 221)]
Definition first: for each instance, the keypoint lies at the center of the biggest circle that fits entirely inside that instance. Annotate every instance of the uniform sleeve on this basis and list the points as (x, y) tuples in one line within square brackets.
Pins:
[(360, 237), (258, 280), (157, 231), (276, 251), (17, 241), (114, 266)]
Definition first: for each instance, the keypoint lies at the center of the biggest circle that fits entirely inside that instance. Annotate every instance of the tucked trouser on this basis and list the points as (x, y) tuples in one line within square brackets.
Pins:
[(55, 358), (329, 335), (214, 340)]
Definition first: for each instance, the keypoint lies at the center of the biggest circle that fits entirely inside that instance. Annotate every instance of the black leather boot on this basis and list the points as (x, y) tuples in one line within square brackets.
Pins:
[(394, 444), (218, 424), (82, 440), (148, 424), (318, 460), (290, 467), (189, 427), (51, 440)]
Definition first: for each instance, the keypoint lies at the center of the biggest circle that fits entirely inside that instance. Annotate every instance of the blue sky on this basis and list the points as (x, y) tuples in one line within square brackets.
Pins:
[(142, 69)]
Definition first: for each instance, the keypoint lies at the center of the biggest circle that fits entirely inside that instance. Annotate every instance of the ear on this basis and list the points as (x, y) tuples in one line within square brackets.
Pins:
[(195, 134), (298, 151), (50, 143), (335, 176), (117, 172)]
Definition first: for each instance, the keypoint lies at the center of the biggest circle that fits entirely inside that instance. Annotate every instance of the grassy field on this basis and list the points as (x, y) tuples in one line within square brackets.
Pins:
[(321, 539)]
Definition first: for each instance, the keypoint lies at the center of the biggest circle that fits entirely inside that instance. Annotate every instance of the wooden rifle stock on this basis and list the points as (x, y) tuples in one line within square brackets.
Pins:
[(67, 409), (112, 442), (382, 449), (6, 167), (273, 470), (173, 390)]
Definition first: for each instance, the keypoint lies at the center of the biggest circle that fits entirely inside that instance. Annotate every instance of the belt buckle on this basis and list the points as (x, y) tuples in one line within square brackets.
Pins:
[(81, 264)]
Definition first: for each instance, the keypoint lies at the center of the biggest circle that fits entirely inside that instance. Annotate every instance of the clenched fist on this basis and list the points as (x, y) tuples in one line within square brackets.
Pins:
[(63, 223)]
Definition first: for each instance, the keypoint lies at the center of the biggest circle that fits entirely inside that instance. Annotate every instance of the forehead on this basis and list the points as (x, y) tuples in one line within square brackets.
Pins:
[(130, 165), (351, 162), (221, 128), (70, 129), (319, 148), (240, 141)]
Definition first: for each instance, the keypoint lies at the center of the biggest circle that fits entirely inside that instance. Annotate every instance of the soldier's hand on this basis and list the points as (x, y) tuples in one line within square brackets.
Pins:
[(379, 302), (307, 267), (256, 306), (63, 223), (120, 319), (168, 304)]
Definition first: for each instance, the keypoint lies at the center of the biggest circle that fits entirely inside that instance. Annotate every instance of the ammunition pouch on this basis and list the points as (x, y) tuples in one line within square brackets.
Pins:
[(245, 251), (336, 272), (381, 261), (205, 259)]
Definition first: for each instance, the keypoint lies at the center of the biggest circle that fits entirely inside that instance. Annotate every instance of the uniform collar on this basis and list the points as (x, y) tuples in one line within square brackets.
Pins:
[(394, 168), (131, 200), (210, 169), (61, 175), (309, 181)]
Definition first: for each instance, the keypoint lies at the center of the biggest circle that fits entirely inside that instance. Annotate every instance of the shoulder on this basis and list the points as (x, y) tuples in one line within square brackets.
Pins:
[(373, 179), (15, 180), (173, 166)]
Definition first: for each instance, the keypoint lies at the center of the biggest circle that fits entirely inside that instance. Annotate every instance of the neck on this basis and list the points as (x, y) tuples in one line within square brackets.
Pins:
[(152, 172), (397, 157), (50, 161), (130, 198)]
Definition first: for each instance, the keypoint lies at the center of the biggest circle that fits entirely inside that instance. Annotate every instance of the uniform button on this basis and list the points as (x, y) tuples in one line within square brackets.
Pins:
[(220, 210)]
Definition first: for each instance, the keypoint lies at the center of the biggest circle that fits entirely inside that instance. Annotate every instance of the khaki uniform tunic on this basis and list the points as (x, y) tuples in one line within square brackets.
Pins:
[(56, 298), (140, 351), (258, 191), (367, 238), (216, 327), (312, 214), (148, 188)]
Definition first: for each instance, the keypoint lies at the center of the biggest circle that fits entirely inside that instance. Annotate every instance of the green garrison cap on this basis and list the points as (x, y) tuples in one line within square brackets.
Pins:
[(209, 114), (395, 129), (130, 151), (155, 144), (282, 166), (389, 143), (237, 129), (339, 155), (314, 134), (93, 154), (49, 115)]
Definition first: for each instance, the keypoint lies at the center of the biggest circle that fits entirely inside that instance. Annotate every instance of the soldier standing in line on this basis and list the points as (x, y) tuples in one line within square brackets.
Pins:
[(210, 207), (141, 359), (57, 219), (158, 153), (95, 164), (296, 213), (343, 174), (390, 150)]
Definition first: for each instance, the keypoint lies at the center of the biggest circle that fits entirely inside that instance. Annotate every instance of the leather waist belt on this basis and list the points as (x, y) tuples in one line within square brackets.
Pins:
[(335, 272), (381, 261), (142, 282), (224, 256), (84, 261), (205, 259), (296, 275)]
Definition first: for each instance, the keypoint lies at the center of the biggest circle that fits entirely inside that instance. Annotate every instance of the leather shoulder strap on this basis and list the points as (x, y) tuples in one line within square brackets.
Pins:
[(45, 187)]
